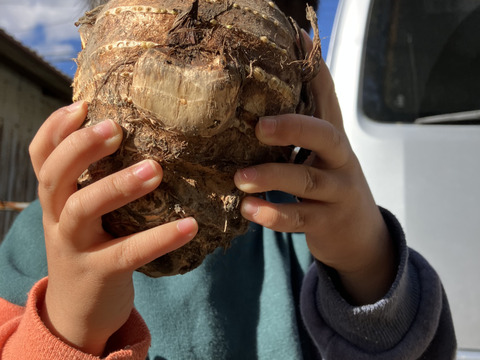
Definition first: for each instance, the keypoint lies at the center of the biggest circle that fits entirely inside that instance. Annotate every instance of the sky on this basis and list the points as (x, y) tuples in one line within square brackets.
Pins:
[(47, 27)]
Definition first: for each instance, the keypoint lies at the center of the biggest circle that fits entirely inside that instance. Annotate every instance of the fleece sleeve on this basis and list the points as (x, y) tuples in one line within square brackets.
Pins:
[(24, 336), (412, 321)]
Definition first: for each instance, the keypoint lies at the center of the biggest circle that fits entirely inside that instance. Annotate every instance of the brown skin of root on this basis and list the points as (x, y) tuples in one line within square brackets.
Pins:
[(249, 57)]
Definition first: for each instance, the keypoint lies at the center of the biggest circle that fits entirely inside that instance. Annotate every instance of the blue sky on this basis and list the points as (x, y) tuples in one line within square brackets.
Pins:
[(326, 16), (47, 26)]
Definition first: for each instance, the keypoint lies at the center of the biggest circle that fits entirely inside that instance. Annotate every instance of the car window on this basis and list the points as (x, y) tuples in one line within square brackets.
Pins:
[(422, 61)]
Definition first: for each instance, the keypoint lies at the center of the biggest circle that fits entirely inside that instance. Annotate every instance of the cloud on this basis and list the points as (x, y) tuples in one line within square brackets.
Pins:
[(46, 26)]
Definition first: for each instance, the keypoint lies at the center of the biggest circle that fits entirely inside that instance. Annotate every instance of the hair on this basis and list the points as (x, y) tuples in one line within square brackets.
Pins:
[(296, 9), (293, 8)]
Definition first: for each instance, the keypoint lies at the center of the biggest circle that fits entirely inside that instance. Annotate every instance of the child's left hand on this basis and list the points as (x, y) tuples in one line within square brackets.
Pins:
[(344, 227)]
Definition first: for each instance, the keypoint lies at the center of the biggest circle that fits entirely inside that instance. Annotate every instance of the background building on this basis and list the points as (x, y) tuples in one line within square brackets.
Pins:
[(30, 90)]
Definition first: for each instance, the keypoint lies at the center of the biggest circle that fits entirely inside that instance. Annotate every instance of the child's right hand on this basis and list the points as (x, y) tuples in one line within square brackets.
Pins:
[(90, 291)]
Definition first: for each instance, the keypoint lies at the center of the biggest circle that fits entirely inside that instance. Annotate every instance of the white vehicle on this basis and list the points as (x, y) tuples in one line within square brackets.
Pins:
[(408, 79)]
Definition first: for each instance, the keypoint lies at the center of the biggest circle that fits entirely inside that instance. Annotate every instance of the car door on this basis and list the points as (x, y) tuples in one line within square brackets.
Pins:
[(407, 74)]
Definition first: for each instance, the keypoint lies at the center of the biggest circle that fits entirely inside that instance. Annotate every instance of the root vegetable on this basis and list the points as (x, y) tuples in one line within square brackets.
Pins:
[(187, 81)]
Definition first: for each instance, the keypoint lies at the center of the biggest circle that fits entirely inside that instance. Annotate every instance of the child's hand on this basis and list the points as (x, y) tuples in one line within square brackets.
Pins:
[(90, 292), (343, 226)]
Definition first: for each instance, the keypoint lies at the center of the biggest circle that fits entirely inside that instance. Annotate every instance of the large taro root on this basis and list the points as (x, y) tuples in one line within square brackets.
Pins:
[(187, 81)]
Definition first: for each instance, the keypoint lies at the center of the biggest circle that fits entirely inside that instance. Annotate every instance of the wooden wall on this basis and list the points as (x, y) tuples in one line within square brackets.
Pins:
[(24, 105)]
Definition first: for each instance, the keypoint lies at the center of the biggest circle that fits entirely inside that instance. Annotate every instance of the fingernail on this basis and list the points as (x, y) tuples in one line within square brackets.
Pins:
[(249, 209), (75, 106), (304, 32), (145, 170), (248, 174), (106, 129), (187, 226), (268, 125)]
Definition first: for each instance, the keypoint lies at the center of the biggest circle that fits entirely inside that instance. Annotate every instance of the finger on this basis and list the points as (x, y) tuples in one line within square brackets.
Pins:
[(52, 132), (307, 41), (84, 208), (327, 106), (131, 252), (328, 143), (323, 89), (305, 182), (59, 173), (292, 217)]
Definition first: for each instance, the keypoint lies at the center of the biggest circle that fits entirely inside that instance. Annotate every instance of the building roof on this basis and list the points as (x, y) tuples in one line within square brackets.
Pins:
[(29, 64)]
